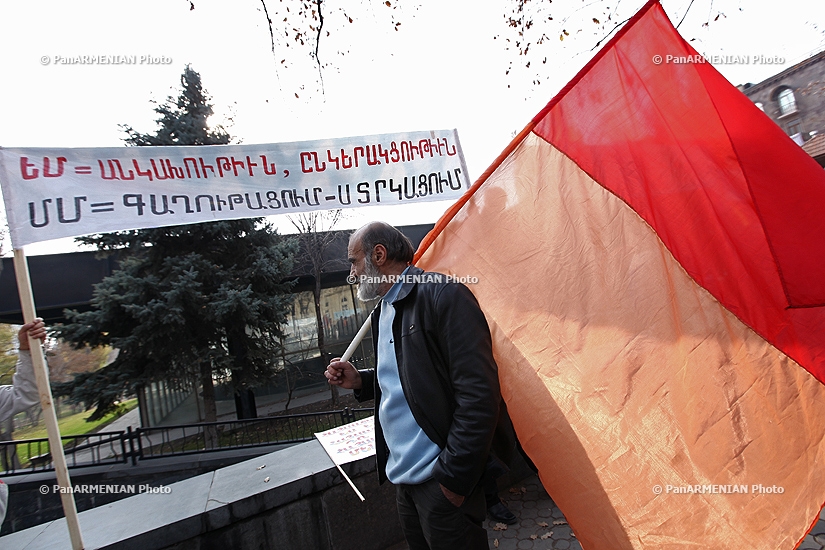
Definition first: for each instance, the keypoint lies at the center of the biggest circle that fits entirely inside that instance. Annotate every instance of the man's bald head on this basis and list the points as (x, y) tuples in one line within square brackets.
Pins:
[(398, 246)]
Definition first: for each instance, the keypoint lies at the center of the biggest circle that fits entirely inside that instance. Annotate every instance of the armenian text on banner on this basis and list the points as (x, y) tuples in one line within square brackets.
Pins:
[(650, 257), (349, 442), (53, 193)]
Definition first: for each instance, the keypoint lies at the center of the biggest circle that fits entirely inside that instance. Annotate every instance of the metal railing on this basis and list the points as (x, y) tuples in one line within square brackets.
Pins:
[(33, 455)]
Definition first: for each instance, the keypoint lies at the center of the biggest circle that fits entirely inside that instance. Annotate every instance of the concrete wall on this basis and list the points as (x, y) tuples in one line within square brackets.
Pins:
[(332, 518), (28, 506), (294, 498)]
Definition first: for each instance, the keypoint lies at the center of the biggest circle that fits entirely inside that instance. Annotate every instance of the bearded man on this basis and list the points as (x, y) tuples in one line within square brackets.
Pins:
[(436, 391)]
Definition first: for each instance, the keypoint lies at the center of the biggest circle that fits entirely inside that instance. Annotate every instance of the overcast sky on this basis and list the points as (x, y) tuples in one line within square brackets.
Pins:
[(445, 67)]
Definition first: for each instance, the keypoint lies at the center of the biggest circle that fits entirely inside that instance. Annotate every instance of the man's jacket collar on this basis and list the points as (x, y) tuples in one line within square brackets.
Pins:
[(408, 283)]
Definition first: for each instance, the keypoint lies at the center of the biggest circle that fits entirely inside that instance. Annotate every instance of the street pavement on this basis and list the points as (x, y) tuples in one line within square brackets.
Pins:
[(815, 540), (541, 525), (184, 414)]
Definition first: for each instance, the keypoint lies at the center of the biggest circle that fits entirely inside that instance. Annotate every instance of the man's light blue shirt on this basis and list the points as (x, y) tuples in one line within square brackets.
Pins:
[(412, 454)]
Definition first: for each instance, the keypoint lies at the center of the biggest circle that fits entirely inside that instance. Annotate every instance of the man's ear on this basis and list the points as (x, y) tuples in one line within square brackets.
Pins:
[(379, 255)]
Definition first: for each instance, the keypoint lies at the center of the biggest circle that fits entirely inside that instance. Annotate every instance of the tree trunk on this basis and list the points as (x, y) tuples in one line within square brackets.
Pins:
[(245, 404), (288, 388), (236, 343), (289, 383), (197, 401), (316, 294), (210, 409)]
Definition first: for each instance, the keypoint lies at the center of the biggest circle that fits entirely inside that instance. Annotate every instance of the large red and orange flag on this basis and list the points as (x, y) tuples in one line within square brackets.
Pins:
[(650, 255)]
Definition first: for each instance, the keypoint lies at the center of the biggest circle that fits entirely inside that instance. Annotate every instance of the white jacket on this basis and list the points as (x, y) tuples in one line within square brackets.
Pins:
[(18, 397), (22, 394)]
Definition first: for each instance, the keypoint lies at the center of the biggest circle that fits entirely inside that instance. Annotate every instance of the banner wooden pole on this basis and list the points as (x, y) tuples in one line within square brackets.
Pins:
[(24, 288)]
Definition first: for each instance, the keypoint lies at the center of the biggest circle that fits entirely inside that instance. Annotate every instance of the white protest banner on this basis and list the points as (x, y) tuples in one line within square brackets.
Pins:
[(349, 442), (53, 193)]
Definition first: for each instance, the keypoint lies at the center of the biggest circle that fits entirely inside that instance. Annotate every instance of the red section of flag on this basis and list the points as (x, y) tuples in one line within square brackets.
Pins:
[(787, 186), (740, 205)]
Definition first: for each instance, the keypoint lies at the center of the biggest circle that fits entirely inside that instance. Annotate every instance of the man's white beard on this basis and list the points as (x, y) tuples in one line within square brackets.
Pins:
[(368, 289)]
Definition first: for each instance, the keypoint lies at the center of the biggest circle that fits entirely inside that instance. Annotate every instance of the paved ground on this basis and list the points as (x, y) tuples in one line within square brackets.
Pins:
[(816, 538), (267, 404), (541, 524)]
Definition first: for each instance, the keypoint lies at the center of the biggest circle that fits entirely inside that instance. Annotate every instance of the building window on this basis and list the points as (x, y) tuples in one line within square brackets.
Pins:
[(787, 102), (793, 127)]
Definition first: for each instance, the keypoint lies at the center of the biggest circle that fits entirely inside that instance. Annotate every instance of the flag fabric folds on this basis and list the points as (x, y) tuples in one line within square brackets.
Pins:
[(650, 255)]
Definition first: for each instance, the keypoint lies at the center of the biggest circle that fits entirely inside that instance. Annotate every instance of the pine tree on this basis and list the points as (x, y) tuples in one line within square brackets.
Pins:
[(202, 300), (183, 120)]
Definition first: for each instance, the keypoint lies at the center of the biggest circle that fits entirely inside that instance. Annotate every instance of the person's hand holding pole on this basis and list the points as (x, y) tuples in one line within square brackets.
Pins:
[(343, 374), (36, 330)]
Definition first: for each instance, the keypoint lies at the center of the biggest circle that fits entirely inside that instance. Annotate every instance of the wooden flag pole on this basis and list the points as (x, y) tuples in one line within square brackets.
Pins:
[(357, 340), (24, 288), (346, 477), (347, 354)]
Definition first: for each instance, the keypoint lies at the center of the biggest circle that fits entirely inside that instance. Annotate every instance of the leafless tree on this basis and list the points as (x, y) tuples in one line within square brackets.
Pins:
[(315, 234)]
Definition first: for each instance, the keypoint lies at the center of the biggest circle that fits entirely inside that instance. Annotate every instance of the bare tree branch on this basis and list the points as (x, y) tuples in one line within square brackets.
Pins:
[(608, 34), (686, 12), (318, 43), (269, 22)]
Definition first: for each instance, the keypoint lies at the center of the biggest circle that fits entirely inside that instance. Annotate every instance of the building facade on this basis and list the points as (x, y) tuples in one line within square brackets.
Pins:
[(795, 100)]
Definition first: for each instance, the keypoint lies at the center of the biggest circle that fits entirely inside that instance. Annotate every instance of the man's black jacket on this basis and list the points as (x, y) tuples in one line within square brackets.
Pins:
[(445, 362)]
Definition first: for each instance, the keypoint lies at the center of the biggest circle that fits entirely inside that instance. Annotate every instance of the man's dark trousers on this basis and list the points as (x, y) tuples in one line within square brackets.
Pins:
[(431, 522)]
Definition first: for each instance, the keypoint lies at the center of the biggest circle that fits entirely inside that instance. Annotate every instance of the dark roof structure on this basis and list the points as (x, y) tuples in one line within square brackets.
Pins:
[(66, 281)]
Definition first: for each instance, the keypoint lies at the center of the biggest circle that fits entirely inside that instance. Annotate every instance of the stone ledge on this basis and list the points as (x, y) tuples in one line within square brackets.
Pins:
[(29, 507), (236, 504)]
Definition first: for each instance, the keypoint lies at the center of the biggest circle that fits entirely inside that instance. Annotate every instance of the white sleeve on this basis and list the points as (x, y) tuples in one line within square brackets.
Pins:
[(22, 394), (4, 499)]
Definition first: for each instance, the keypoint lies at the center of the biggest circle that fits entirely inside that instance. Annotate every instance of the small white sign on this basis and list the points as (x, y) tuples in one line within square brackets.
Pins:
[(349, 442)]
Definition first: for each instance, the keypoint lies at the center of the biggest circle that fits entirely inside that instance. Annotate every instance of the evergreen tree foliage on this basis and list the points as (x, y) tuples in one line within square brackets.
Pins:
[(194, 301), (182, 120)]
